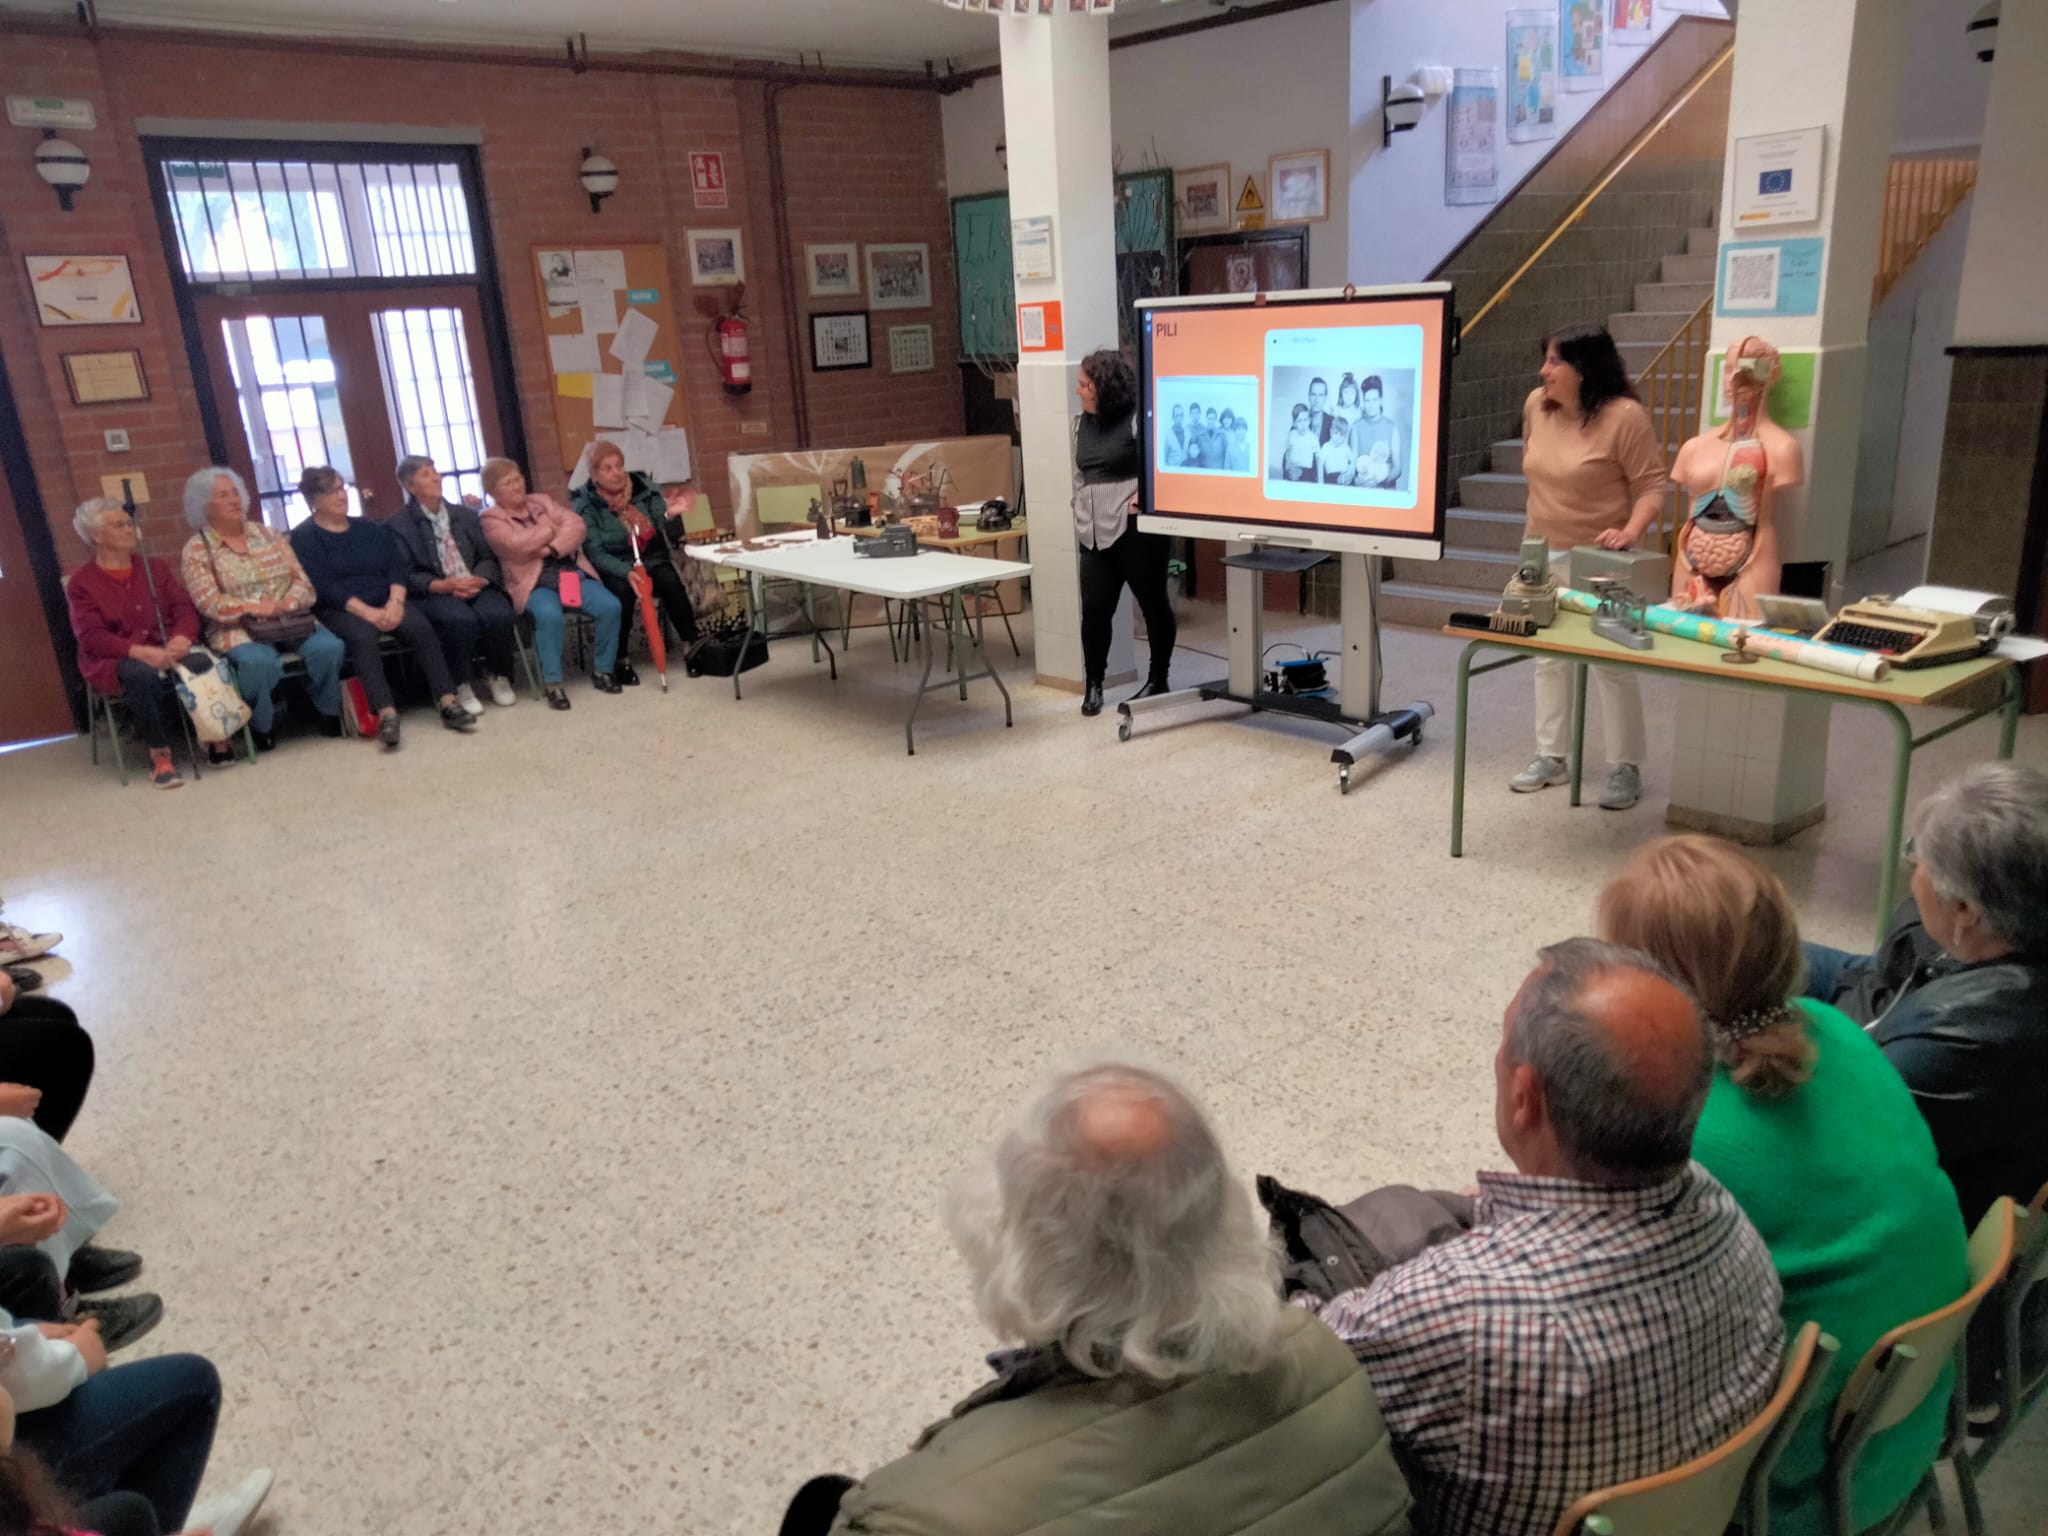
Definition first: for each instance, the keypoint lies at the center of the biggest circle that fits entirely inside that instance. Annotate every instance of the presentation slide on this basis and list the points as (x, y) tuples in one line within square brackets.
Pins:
[(1315, 414)]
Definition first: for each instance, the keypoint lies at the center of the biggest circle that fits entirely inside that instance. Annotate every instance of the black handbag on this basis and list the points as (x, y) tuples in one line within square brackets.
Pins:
[(726, 647)]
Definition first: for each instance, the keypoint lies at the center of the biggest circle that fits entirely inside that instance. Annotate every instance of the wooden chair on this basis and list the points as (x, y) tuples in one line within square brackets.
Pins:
[(1703, 1496), (2016, 1392), (1895, 1377)]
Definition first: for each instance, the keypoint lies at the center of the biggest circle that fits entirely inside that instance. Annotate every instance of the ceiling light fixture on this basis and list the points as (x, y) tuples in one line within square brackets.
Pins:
[(1401, 108), (63, 165), (600, 179)]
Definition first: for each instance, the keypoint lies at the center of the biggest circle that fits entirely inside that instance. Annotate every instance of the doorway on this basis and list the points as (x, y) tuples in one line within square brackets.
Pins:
[(35, 684), (340, 306)]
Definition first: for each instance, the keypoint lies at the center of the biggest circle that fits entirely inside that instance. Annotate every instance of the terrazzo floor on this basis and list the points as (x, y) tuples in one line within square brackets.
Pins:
[(547, 1130)]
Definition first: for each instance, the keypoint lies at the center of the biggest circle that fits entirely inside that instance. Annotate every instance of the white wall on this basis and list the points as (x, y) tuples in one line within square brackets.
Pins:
[(1941, 98), (1400, 228), (2000, 304), (1233, 95)]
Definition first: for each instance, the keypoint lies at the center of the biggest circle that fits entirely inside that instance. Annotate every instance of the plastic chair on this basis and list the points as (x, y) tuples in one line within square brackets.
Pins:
[(1895, 1377), (1703, 1496), (2016, 1392)]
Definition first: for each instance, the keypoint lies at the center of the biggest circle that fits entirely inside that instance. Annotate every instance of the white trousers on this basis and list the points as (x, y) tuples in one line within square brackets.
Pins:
[(1621, 710)]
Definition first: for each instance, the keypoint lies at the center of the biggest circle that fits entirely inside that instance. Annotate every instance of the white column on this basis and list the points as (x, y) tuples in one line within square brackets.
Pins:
[(1056, 124), (2000, 300), (1754, 766)]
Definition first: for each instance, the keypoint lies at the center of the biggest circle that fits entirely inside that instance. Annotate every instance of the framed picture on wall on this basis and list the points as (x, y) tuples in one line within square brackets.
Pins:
[(83, 290), (1203, 198), (840, 340), (1298, 187), (833, 271), (716, 257), (101, 378), (900, 276)]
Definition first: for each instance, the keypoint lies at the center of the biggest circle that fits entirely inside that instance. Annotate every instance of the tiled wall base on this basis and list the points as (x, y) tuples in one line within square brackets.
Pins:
[(1748, 766)]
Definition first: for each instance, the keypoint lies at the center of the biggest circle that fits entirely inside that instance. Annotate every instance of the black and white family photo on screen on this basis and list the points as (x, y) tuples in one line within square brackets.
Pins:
[(1341, 415), (1207, 425)]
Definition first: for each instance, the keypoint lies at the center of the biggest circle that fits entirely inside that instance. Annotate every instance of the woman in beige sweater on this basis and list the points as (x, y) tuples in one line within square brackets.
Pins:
[(1596, 476)]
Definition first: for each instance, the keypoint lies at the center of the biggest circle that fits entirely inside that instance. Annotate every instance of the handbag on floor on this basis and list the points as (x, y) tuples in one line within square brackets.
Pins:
[(208, 694), (726, 646)]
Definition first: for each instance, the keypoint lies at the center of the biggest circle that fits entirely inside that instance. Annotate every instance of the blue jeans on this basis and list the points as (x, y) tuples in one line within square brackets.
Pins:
[(1827, 970), (259, 669), (145, 1428), (545, 604)]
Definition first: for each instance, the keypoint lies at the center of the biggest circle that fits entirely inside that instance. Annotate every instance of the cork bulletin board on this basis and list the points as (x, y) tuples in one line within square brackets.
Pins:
[(615, 358)]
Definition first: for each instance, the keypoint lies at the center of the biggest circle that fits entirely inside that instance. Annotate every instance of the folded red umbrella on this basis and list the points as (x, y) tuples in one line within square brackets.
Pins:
[(650, 615)]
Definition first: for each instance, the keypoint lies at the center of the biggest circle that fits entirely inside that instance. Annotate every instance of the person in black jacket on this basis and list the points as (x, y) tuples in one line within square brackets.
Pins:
[(1957, 994), (1113, 553), (453, 577)]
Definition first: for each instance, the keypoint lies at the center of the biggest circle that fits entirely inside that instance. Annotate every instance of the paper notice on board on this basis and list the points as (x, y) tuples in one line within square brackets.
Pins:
[(671, 455), (634, 403), (607, 400), (599, 309), (581, 472), (653, 400), (573, 386), (575, 353), (606, 267), (639, 448), (558, 277), (636, 335)]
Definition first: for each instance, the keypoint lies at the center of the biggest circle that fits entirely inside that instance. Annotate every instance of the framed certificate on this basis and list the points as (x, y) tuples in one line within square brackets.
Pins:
[(101, 378), (840, 341)]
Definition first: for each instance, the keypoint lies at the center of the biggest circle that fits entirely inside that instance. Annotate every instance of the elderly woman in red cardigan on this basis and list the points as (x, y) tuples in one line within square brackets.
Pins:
[(127, 642)]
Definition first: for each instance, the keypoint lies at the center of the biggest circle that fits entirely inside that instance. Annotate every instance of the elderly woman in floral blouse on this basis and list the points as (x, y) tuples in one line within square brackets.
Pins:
[(236, 570)]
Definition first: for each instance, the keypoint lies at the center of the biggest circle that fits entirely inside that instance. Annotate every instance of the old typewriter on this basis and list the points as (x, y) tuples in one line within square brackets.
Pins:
[(1906, 637)]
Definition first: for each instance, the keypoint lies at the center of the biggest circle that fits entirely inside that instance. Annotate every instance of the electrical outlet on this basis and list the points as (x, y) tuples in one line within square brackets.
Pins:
[(753, 429), (117, 440)]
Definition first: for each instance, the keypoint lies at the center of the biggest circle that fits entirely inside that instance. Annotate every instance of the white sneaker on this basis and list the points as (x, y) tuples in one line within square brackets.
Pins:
[(501, 692), (1541, 773), (18, 944), (466, 697), (1624, 787), (229, 1514)]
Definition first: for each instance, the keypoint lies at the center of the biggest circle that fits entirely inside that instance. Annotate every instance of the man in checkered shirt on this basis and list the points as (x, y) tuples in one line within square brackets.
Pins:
[(1612, 1313)]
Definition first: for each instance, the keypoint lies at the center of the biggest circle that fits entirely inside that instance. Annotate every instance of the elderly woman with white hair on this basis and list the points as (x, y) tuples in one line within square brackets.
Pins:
[(133, 625), (1158, 1383), (1957, 994), (257, 601)]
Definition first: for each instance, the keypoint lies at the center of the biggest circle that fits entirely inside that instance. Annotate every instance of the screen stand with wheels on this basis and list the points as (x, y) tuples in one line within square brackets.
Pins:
[(1357, 705)]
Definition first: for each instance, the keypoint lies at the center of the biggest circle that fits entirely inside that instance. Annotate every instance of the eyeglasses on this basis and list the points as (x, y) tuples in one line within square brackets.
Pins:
[(1908, 852)]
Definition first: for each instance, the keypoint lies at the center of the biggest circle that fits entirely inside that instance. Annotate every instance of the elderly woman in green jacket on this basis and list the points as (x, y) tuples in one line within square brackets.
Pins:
[(618, 505), (1158, 1384), (1817, 1137)]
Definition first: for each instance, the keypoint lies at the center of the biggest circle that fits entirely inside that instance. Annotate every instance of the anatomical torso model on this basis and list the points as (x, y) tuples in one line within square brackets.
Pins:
[(1728, 544)]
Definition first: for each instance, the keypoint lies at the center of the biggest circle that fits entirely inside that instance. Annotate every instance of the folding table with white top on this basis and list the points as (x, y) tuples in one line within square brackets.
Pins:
[(926, 576)]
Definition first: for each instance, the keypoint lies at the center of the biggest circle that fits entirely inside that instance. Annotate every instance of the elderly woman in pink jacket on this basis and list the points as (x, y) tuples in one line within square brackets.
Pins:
[(538, 542)]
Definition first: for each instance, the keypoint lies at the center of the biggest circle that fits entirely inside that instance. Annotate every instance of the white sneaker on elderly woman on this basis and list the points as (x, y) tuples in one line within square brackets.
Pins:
[(466, 697), (501, 692), (230, 1513)]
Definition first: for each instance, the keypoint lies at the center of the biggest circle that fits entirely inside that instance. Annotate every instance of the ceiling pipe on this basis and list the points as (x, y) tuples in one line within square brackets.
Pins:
[(778, 198)]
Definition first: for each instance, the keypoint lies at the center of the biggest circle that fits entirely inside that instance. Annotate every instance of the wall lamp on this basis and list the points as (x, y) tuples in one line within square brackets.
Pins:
[(600, 179), (63, 165), (1982, 31), (1400, 108)]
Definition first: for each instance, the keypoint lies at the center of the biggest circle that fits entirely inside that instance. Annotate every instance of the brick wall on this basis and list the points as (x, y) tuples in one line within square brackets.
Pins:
[(862, 164)]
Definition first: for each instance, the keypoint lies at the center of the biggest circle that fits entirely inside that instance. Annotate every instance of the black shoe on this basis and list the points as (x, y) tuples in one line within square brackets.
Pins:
[(624, 673), (330, 727), (608, 682), (1091, 699), (1153, 687), (558, 697), (266, 741), (95, 1269), (387, 731), (123, 1319), (219, 755), (456, 718), (26, 978)]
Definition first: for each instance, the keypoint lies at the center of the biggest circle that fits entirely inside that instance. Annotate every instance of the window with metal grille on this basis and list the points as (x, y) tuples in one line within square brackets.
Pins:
[(238, 220), (285, 384), (431, 392)]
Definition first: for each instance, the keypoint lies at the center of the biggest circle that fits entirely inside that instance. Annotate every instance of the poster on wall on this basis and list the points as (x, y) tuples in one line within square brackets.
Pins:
[(1771, 277), (1471, 162), (1581, 31), (83, 290), (1777, 177), (1532, 76), (1629, 21)]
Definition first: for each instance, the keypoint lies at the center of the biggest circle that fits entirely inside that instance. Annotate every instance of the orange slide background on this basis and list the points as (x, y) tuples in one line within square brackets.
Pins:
[(1224, 342)]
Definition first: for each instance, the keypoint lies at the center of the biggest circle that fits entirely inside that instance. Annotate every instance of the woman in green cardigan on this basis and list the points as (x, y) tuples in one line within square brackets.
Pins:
[(1815, 1134)]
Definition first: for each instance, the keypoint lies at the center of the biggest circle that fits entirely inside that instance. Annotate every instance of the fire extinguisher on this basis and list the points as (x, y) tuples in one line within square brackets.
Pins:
[(727, 340)]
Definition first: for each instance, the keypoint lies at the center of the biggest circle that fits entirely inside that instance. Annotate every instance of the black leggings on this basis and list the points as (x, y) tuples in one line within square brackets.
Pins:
[(152, 698), (364, 649), (1137, 560), (43, 1046), (668, 591)]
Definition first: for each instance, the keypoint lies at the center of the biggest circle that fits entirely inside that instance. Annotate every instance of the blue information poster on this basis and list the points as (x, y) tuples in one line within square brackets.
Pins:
[(1770, 277)]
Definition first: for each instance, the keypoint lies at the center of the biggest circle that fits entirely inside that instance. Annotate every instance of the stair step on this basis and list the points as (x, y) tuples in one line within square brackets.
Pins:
[(1493, 492), (1666, 298), (1702, 242), (1689, 268), (1477, 528), (1647, 325), (1507, 457), (1482, 572), (1427, 606), (1638, 355)]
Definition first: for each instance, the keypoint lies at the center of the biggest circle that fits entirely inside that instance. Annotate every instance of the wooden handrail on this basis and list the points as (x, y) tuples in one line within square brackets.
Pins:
[(1919, 196), (1672, 385), (1620, 163)]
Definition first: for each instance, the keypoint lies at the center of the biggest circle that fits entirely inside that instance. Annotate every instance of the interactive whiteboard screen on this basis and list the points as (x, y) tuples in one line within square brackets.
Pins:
[(1305, 419)]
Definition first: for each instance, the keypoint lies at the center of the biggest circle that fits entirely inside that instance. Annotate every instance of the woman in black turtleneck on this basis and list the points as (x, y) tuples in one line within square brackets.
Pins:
[(1113, 553)]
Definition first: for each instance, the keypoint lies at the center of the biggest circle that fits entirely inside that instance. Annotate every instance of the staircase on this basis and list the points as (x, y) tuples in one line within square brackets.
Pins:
[(1483, 534)]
